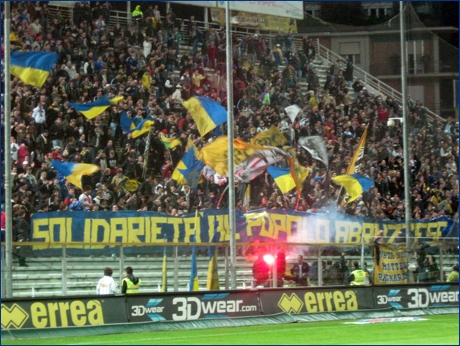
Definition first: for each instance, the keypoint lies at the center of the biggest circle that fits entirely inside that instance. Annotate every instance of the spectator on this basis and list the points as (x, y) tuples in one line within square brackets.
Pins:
[(299, 272), (260, 272)]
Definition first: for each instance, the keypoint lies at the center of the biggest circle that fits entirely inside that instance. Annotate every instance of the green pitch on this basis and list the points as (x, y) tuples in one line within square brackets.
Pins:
[(438, 329)]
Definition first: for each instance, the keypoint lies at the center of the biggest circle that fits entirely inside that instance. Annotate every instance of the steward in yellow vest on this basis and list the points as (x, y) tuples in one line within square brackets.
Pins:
[(130, 284), (357, 276)]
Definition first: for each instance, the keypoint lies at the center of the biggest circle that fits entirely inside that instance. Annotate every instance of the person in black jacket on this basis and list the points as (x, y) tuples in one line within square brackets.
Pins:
[(299, 272), (21, 234)]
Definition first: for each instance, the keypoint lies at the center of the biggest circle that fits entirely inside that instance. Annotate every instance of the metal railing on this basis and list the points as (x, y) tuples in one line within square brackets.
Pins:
[(368, 79)]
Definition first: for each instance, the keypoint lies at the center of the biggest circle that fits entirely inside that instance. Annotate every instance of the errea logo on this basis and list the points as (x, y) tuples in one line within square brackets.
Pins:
[(13, 317), (292, 304)]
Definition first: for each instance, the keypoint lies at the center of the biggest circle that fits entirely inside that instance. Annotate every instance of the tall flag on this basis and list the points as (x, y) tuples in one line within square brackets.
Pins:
[(74, 171), (358, 156), (292, 112), (164, 281), (282, 177), (33, 68), (128, 125), (146, 157), (93, 109), (170, 142), (316, 147), (207, 113), (213, 274), (187, 161), (193, 285), (272, 137), (354, 184)]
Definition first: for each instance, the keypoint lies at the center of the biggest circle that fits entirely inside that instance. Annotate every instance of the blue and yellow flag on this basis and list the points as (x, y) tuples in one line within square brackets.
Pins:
[(187, 161), (213, 274), (164, 282), (32, 68), (207, 113), (128, 125), (93, 109), (74, 171), (282, 177), (170, 142), (354, 184), (192, 174)]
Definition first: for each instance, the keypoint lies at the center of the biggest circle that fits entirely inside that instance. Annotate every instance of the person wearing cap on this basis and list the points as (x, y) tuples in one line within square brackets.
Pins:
[(130, 284)]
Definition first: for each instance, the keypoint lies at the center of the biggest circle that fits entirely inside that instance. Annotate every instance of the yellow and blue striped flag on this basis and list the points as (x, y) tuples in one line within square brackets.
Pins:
[(354, 184), (128, 125), (74, 171), (32, 68), (192, 174), (283, 178), (187, 161), (207, 113), (93, 109)]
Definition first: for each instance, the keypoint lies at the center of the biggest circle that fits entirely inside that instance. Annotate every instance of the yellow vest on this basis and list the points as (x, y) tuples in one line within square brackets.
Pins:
[(131, 287), (359, 277)]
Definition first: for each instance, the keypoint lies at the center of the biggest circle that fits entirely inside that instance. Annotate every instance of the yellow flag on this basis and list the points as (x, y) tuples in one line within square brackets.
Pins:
[(273, 137), (215, 155)]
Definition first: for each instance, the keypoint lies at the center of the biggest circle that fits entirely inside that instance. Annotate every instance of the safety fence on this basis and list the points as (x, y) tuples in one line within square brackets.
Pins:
[(189, 306)]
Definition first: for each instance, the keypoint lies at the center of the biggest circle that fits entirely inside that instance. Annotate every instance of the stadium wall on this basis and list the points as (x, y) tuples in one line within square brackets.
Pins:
[(62, 312)]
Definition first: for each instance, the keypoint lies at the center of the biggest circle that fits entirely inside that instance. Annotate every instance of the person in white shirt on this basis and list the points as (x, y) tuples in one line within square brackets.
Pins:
[(177, 95), (39, 116), (14, 149), (106, 284)]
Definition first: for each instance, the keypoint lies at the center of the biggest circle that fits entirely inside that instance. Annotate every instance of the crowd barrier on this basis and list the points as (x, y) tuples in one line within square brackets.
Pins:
[(76, 311)]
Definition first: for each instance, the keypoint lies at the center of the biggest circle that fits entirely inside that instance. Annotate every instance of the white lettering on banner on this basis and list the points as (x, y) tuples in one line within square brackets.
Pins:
[(185, 306), (139, 310), (392, 277), (385, 299), (422, 297)]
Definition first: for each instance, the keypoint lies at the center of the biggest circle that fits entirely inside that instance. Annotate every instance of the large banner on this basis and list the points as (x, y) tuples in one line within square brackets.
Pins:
[(63, 312), (413, 297), (256, 21), (152, 228), (390, 265), (313, 299), (189, 306)]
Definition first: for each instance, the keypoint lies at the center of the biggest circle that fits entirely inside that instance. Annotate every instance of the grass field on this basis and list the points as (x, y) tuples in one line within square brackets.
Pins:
[(436, 329)]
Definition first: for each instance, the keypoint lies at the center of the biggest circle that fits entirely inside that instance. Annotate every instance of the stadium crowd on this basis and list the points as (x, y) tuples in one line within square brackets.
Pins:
[(148, 64)]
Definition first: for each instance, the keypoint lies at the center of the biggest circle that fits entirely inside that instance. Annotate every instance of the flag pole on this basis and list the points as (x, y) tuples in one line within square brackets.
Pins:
[(405, 123), (231, 176), (8, 210)]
